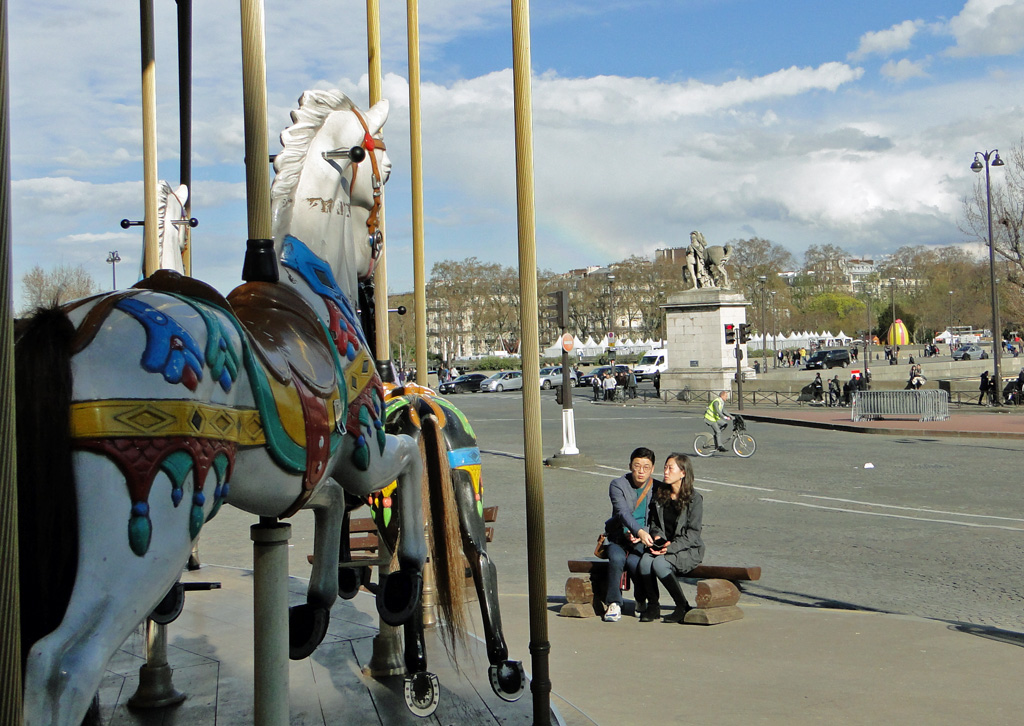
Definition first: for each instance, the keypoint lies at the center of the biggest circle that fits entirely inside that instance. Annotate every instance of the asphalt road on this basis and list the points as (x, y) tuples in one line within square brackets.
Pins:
[(934, 529)]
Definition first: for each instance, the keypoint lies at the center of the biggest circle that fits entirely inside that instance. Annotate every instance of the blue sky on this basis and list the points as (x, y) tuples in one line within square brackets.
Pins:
[(804, 122)]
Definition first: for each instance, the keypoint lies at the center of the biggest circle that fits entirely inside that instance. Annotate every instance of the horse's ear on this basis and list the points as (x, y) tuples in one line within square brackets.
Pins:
[(377, 115), (182, 194)]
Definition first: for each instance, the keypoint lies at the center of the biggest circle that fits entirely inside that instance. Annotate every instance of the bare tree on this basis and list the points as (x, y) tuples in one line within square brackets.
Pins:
[(60, 285)]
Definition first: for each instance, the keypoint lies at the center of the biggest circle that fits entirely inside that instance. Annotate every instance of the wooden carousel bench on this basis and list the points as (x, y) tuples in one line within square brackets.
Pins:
[(717, 590), (365, 549)]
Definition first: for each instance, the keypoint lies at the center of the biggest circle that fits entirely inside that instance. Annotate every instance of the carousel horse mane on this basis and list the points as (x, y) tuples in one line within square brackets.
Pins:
[(307, 119)]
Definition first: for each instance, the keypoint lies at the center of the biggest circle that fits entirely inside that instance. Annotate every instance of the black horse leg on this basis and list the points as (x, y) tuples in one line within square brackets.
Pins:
[(507, 677), (422, 690), (350, 579)]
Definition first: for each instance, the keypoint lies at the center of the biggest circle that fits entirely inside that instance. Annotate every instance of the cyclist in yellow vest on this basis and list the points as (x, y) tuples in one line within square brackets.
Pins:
[(716, 417)]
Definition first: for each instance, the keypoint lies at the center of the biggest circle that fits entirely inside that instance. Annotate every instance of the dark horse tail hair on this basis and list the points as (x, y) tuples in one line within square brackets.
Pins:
[(47, 508), (445, 535)]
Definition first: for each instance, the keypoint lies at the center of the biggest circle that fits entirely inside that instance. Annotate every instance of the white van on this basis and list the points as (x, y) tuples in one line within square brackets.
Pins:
[(654, 362)]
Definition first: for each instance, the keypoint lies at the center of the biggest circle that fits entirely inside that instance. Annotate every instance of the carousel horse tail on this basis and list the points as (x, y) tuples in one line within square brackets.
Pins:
[(445, 534), (47, 511)]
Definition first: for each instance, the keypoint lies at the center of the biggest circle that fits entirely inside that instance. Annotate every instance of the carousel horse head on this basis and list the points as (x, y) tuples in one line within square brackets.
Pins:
[(330, 176), (172, 226)]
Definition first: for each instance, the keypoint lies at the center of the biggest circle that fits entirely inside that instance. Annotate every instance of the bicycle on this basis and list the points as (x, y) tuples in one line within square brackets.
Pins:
[(742, 442)]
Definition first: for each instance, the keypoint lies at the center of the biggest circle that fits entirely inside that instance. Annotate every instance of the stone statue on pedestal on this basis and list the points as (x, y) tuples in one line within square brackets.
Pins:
[(705, 266)]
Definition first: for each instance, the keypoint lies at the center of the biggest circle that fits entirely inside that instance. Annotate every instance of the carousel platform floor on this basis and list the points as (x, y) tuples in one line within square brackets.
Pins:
[(210, 648)]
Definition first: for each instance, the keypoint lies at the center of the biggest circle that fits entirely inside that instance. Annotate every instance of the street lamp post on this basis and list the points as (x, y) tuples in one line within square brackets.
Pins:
[(977, 166), (775, 332), (764, 336), (113, 258), (892, 302), (611, 315), (867, 338), (950, 320)]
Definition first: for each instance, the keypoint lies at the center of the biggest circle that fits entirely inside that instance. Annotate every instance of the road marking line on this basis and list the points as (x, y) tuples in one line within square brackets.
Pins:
[(738, 486), (893, 516), (914, 509)]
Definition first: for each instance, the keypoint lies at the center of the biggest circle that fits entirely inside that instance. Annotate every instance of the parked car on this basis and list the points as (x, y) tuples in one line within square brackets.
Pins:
[(600, 371), (552, 376), (970, 351), (503, 381), (838, 357), (466, 383)]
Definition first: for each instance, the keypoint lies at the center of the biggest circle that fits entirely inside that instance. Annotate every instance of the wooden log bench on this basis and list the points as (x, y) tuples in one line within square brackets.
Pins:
[(717, 590), (366, 551)]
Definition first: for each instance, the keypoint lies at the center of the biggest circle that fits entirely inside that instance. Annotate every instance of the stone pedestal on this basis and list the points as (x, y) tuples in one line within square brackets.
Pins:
[(698, 356)]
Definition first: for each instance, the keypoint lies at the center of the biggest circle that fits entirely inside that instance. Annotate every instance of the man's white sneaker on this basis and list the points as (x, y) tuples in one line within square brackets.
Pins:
[(613, 614)]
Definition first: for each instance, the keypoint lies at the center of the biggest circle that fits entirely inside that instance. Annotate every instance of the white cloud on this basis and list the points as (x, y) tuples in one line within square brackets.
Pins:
[(988, 27), (903, 69), (886, 42)]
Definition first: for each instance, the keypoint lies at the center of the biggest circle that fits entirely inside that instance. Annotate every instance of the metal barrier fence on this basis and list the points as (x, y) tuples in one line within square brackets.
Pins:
[(925, 405)]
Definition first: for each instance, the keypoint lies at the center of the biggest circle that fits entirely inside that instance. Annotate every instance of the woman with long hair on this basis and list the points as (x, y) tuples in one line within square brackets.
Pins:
[(674, 521)]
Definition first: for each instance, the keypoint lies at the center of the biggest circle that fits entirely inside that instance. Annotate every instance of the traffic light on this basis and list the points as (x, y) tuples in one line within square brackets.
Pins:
[(558, 313), (730, 334), (744, 332)]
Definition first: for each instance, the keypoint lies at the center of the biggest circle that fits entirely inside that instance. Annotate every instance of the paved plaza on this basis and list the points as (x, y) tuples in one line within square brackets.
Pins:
[(889, 594)]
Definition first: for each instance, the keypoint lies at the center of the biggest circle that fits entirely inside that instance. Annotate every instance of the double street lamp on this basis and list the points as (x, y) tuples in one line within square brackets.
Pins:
[(991, 157), (113, 258)]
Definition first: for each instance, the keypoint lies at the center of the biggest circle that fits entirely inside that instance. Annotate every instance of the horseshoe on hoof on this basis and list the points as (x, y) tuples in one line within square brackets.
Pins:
[(399, 596), (350, 579), (422, 692), (508, 679), (307, 626)]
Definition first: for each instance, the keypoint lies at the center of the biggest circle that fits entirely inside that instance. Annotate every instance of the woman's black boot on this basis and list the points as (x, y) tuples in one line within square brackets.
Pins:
[(676, 591)]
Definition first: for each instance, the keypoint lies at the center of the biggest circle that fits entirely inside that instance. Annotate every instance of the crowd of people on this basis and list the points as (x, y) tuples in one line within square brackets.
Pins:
[(606, 385), (837, 394)]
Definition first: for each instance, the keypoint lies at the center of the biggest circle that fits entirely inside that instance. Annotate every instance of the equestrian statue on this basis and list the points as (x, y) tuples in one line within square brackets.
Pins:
[(705, 266)]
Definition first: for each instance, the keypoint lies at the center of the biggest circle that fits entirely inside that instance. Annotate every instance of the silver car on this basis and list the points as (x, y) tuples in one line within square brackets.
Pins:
[(970, 351), (503, 381), (552, 376)]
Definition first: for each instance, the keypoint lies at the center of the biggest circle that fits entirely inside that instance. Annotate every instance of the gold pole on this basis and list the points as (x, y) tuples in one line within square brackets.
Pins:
[(380, 290), (10, 617), (149, 156), (416, 172), (254, 99), (529, 348)]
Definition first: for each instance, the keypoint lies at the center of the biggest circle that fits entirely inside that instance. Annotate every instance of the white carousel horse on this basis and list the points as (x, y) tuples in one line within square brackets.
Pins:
[(171, 227), (176, 401)]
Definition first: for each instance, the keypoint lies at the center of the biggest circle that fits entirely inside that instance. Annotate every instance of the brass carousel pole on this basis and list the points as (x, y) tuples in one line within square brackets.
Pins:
[(387, 644), (540, 646), (270, 537), (380, 281), (149, 157), (10, 618), (416, 173)]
